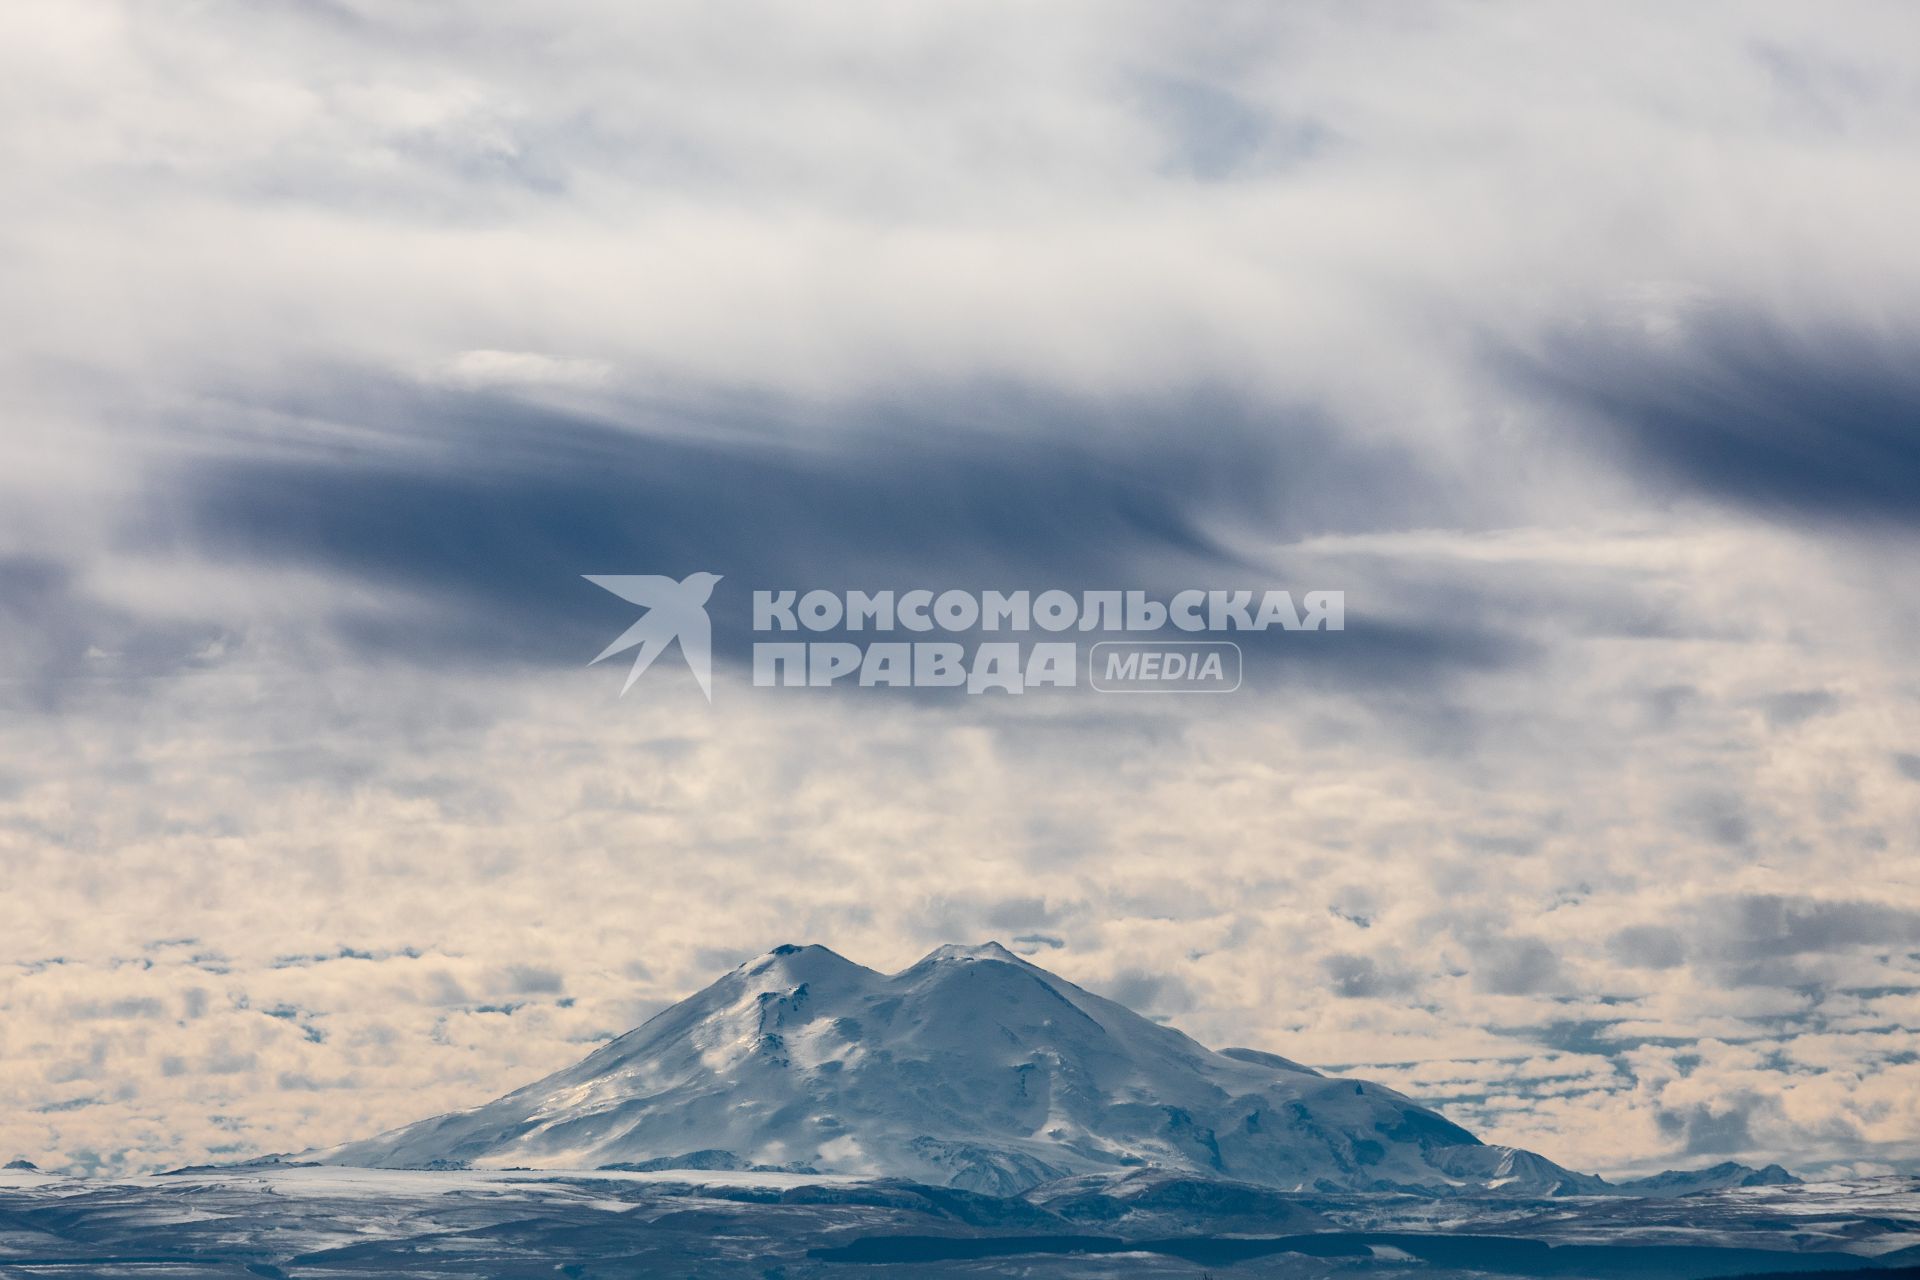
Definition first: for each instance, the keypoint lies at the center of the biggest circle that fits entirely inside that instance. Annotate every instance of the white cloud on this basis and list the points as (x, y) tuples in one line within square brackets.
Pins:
[(529, 369)]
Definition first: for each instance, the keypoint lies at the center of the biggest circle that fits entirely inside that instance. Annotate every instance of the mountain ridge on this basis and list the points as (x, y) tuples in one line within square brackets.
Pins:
[(971, 1068)]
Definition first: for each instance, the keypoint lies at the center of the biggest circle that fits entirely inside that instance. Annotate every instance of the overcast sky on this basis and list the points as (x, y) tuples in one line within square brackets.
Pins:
[(1578, 346)]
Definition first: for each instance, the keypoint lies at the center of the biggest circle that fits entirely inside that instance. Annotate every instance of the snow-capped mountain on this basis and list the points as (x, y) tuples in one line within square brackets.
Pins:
[(972, 1068)]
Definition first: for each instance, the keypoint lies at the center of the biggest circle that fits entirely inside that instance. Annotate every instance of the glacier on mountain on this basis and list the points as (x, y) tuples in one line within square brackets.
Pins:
[(973, 1069)]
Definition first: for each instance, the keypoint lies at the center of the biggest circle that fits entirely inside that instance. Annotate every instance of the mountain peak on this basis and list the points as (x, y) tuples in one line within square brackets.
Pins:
[(790, 950), (956, 952), (802, 962)]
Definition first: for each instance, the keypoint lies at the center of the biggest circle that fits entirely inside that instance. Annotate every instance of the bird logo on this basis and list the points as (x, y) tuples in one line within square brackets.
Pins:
[(674, 611)]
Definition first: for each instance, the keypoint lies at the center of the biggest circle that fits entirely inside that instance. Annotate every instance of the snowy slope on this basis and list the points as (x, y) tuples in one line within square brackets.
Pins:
[(972, 1068), (1721, 1177)]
